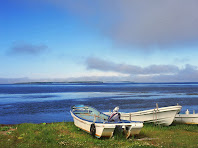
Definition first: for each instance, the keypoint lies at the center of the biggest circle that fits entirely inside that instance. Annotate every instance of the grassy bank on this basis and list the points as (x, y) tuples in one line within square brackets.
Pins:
[(65, 134)]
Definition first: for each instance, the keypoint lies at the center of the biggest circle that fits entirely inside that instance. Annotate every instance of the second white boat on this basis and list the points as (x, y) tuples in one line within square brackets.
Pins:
[(163, 115)]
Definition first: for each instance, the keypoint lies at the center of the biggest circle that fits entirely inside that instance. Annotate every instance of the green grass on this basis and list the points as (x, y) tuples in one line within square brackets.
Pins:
[(66, 134), (4, 128)]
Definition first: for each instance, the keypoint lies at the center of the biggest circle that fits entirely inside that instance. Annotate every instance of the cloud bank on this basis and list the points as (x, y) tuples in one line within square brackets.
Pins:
[(152, 73), (27, 49), (136, 23), (140, 23), (102, 65)]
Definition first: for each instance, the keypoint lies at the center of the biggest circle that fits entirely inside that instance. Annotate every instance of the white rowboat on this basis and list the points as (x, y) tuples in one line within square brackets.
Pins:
[(96, 123), (163, 116)]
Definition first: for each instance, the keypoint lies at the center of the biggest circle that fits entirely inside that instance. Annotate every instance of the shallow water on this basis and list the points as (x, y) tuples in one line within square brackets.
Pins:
[(38, 103)]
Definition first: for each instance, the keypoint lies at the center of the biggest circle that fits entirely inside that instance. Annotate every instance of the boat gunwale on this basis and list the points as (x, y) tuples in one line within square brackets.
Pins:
[(122, 122), (186, 116), (99, 124), (158, 110), (93, 115)]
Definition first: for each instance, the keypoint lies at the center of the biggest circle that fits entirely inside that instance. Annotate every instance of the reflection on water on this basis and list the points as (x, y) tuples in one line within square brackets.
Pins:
[(51, 103)]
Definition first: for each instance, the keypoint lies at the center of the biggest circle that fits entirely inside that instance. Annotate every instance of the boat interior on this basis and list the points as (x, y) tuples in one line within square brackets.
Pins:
[(89, 113)]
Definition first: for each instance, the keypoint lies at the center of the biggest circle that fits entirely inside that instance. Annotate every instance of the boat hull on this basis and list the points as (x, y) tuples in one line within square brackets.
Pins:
[(135, 129), (186, 118), (97, 124), (102, 130)]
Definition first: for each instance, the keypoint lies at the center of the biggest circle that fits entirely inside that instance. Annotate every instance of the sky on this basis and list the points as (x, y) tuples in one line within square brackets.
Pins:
[(86, 40)]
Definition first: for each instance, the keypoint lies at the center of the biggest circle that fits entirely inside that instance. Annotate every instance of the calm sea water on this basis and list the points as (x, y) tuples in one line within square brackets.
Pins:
[(38, 103)]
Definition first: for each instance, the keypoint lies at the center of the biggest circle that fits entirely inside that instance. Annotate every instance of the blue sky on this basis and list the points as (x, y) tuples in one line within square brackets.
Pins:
[(98, 41)]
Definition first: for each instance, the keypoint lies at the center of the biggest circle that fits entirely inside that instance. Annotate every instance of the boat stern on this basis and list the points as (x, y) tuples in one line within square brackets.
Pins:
[(104, 130)]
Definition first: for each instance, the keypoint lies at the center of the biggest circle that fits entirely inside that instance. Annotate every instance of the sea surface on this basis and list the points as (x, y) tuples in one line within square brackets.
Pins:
[(51, 102)]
